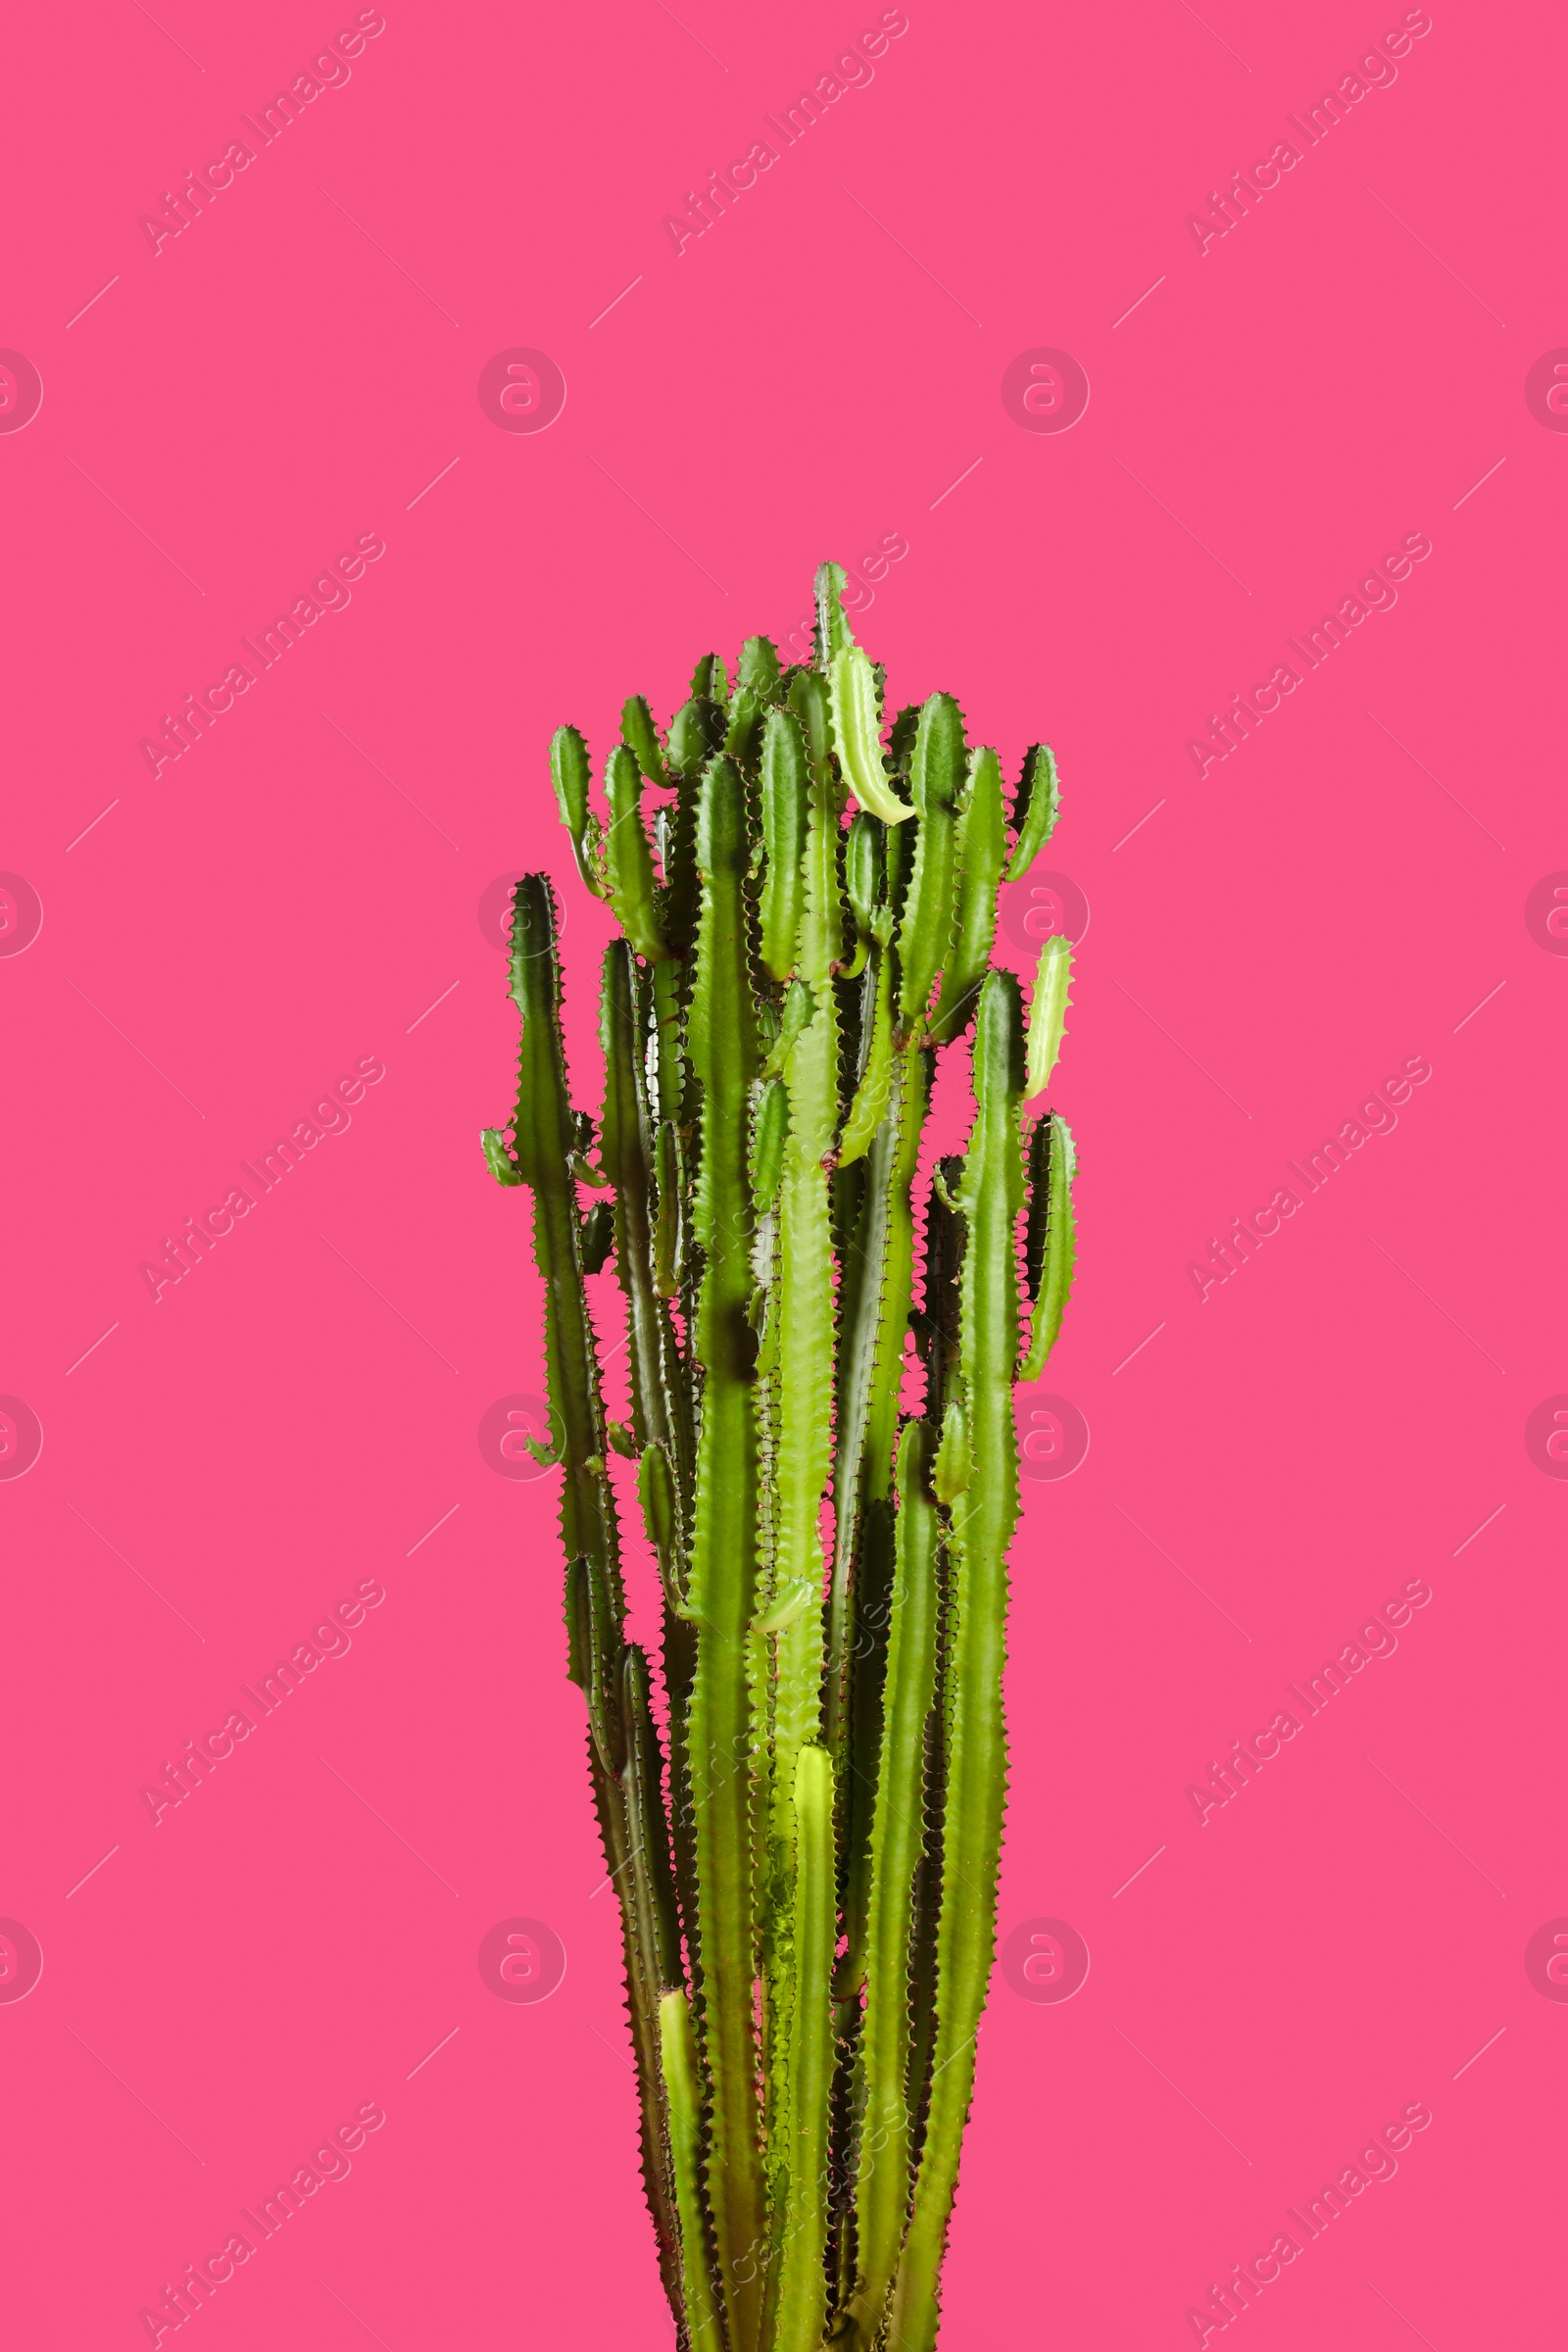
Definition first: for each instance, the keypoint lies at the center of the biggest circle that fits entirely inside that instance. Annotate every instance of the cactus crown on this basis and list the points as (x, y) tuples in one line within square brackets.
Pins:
[(806, 1835)]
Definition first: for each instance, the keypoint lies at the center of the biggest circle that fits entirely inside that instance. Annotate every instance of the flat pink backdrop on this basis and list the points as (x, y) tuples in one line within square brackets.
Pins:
[(818, 373)]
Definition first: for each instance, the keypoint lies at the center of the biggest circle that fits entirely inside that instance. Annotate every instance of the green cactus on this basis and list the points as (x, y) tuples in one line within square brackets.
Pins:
[(806, 1835)]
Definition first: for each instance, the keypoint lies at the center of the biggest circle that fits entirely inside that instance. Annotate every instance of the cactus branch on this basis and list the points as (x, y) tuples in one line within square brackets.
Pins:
[(801, 1801)]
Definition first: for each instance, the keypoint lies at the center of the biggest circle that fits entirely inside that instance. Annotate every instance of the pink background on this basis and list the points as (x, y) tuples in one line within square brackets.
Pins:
[(300, 890)]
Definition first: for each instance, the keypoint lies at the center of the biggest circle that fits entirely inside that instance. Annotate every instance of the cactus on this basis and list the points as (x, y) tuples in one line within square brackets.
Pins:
[(802, 1812)]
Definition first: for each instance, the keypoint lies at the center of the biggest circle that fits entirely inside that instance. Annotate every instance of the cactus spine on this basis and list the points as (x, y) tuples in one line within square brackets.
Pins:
[(804, 1832)]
